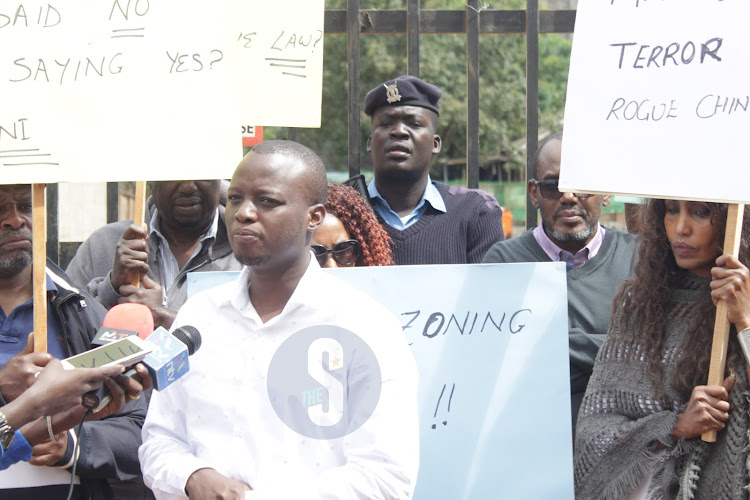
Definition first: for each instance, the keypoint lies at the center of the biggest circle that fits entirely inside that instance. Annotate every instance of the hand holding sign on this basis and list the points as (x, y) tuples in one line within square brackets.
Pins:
[(731, 284)]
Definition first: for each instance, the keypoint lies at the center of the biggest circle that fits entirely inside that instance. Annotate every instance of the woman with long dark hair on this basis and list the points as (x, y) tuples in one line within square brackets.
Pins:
[(350, 234), (646, 405)]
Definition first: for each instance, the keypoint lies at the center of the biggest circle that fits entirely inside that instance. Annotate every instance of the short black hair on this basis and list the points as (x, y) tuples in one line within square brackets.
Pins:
[(557, 136), (317, 180)]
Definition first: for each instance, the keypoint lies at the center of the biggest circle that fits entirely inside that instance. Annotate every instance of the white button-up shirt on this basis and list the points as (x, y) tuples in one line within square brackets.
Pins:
[(220, 416)]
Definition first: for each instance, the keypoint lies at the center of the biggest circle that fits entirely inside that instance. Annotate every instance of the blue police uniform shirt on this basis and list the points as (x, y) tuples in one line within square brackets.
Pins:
[(430, 195)]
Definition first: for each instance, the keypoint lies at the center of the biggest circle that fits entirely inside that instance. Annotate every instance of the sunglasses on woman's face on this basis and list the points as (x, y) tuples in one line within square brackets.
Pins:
[(345, 253)]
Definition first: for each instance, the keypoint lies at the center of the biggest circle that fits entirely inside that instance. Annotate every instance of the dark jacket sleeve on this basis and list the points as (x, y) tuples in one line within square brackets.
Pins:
[(92, 264), (108, 447)]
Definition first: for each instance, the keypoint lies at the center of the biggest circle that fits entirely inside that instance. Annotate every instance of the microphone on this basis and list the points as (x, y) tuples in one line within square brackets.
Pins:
[(122, 321), (169, 359), (167, 362)]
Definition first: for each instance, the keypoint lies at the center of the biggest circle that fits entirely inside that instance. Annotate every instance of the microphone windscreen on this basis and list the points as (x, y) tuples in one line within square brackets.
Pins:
[(190, 336), (130, 316)]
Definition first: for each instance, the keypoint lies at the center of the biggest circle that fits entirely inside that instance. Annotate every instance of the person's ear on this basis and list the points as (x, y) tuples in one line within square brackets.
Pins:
[(533, 190), (606, 199), (369, 144), (437, 143), (315, 216)]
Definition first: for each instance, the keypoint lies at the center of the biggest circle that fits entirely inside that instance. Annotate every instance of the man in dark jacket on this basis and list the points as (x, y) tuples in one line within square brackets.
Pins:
[(186, 232), (108, 448)]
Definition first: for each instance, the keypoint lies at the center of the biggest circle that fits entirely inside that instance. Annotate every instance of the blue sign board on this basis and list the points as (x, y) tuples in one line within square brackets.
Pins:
[(491, 344)]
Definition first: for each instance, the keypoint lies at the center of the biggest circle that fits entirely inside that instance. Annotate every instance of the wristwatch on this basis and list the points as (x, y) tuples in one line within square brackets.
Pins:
[(744, 338), (7, 435)]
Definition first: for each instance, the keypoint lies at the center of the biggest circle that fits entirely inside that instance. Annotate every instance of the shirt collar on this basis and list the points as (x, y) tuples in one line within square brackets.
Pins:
[(51, 287), (155, 223), (303, 294), (431, 195), (583, 255)]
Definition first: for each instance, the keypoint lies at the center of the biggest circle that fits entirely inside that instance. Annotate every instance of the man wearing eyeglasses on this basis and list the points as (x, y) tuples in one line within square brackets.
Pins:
[(597, 259), (429, 222)]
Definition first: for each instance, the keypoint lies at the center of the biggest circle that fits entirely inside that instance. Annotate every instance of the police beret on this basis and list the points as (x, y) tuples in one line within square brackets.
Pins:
[(405, 90)]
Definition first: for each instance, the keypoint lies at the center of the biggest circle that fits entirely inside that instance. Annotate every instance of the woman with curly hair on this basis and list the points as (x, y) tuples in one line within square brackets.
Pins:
[(646, 405), (350, 234)]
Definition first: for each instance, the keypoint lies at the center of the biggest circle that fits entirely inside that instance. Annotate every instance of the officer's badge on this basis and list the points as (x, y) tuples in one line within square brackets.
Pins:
[(391, 92)]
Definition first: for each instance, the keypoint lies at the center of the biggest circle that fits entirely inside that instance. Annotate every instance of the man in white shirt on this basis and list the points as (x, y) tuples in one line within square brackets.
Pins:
[(303, 387)]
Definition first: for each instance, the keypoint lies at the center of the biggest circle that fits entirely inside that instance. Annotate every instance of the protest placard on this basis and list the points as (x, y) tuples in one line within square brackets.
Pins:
[(136, 90), (491, 345), (658, 106), (658, 102)]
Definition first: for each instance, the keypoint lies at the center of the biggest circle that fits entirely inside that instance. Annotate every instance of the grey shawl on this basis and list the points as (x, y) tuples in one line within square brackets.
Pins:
[(625, 428)]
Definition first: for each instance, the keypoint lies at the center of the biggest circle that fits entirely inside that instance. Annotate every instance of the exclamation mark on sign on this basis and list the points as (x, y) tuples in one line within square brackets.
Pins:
[(450, 398)]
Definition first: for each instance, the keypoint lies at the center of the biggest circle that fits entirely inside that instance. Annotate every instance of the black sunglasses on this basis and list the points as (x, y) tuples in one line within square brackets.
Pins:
[(550, 191), (345, 253)]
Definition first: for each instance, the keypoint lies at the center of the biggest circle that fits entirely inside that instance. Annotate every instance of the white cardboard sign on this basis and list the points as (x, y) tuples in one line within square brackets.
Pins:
[(112, 90), (658, 100)]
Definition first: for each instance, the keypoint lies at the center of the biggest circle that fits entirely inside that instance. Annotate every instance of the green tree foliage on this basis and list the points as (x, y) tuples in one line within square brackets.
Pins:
[(502, 115)]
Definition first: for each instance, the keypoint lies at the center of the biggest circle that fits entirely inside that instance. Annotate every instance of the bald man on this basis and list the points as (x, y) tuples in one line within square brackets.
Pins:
[(303, 387)]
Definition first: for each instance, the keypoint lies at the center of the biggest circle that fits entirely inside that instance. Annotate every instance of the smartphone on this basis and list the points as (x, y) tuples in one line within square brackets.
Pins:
[(125, 352)]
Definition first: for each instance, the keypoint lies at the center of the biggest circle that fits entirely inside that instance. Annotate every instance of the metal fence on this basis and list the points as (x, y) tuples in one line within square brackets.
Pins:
[(412, 21)]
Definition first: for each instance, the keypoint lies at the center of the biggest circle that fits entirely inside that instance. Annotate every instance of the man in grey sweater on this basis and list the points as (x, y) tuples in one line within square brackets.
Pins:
[(597, 259), (186, 232)]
